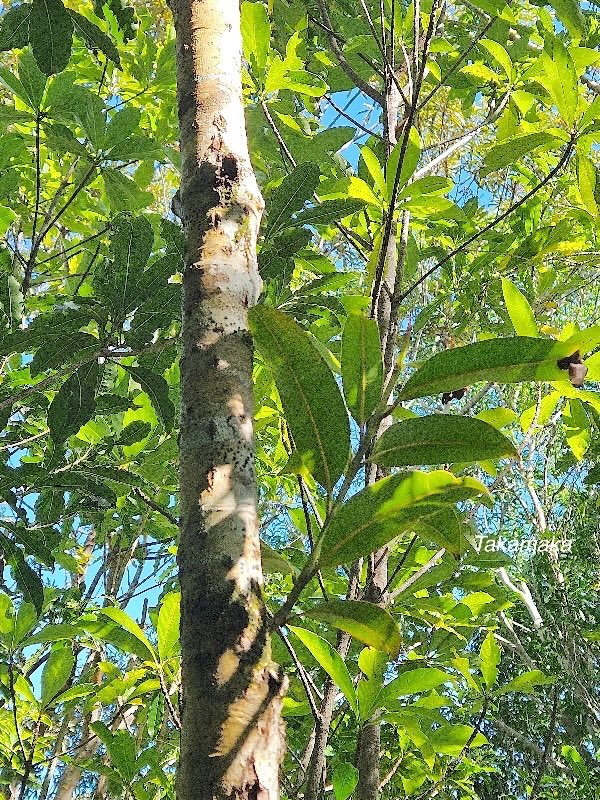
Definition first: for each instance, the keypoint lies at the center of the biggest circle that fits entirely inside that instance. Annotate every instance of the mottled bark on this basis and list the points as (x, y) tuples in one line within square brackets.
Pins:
[(231, 737)]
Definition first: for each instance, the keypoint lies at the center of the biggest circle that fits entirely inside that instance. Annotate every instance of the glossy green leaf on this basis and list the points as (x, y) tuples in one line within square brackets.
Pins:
[(440, 439), (445, 529), (28, 581), (310, 396), (362, 366), (119, 616), (525, 682), (370, 624), (14, 27), (374, 167), (409, 163), (452, 740), (570, 14), (54, 633), (510, 360), (520, 312), (489, 656), (327, 212), (499, 54), (157, 390), (272, 561), (291, 195), (381, 512), (508, 152), (256, 33), (57, 671), (95, 39), (560, 80), (414, 681), (74, 403), (345, 780), (325, 655), (50, 35), (168, 624)]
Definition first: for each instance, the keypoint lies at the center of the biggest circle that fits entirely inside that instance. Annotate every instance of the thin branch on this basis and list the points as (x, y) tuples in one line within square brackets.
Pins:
[(365, 87), (457, 63), (408, 124), (416, 575), (563, 160), (547, 746), (355, 122)]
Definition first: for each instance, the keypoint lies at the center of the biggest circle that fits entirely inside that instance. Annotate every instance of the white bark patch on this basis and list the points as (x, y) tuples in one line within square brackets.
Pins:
[(228, 665)]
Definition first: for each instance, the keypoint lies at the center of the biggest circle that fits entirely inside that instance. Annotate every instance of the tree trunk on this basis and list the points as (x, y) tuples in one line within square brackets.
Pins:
[(368, 746), (231, 737)]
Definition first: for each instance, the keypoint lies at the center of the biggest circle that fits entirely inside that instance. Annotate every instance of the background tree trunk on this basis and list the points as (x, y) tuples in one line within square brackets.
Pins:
[(231, 738)]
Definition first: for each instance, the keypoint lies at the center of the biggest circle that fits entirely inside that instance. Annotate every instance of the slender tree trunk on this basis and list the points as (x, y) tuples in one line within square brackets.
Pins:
[(231, 737), (368, 746)]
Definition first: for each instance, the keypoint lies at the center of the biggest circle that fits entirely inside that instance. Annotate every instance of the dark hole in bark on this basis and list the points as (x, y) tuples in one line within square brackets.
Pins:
[(228, 172)]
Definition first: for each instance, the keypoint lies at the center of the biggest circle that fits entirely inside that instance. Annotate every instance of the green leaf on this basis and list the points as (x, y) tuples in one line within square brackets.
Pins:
[(570, 14), (587, 180), (256, 34), (94, 38), (123, 193), (50, 35), (424, 186), (54, 633), (331, 661), (157, 390), (7, 217), (361, 365), (489, 656), (525, 682), (56, 673), (14, 27), (130, 247), (364, 621), (514, 359), (74, 403), (560, 80), (576, 763), (440, 439), (414, 681), (445, 529), (124, 15), (374, 167), (291, 195), (28, 581), (520, 312), (381, 512), (76, 692), (134, 432), (130, 625), (508, 152), (499, 54), (168, 624), (59, 350), (32, 79), (409, 164), (345, 780), (451, 740), (328, 211), (310, 396), (272, 561)]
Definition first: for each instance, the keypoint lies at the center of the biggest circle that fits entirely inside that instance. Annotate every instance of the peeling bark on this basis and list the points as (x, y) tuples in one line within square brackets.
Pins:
[(231, 737)]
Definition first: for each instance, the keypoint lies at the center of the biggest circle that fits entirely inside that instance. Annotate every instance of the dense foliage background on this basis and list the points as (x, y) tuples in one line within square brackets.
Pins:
[(481, 661)]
